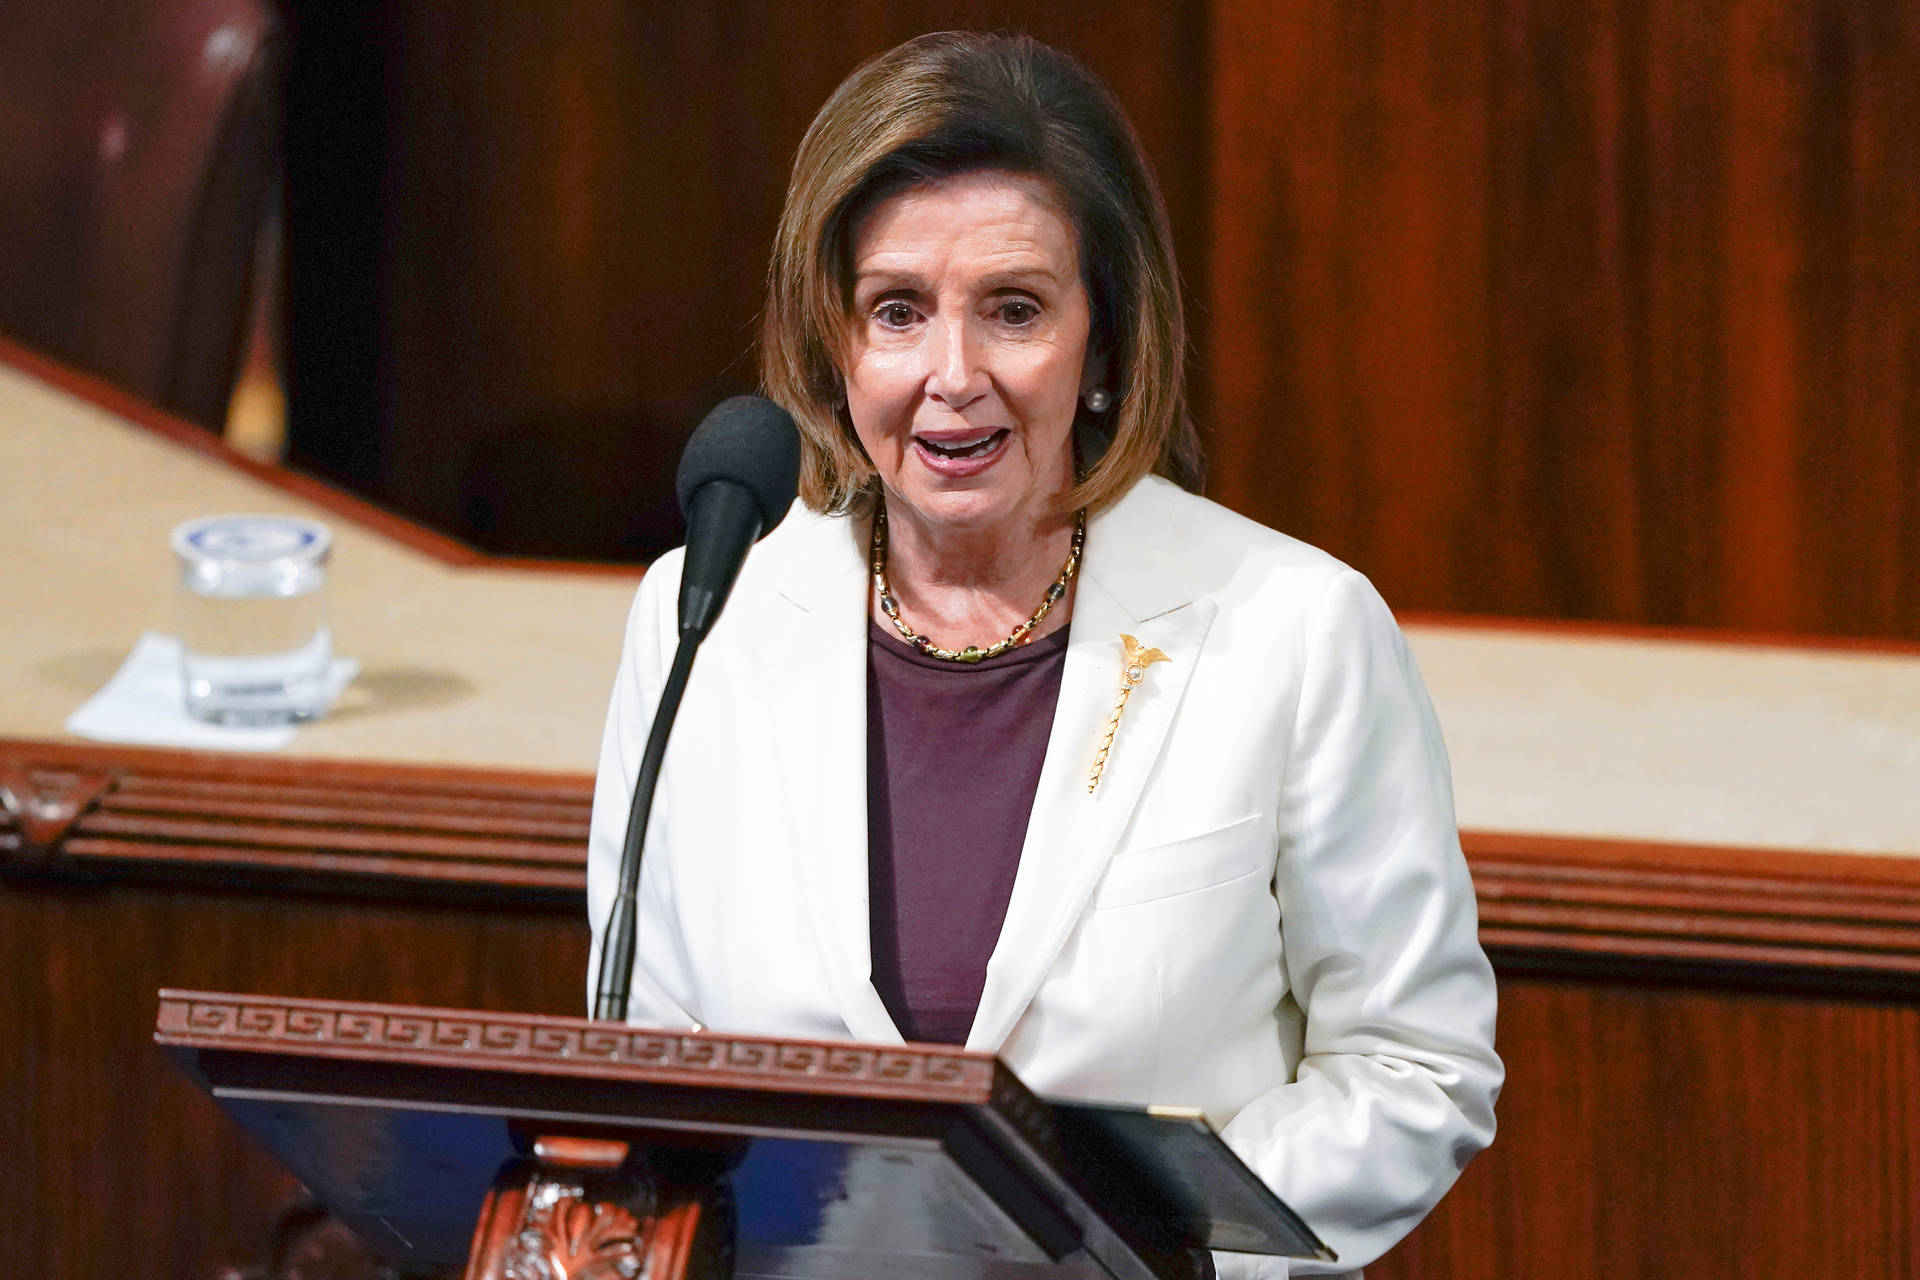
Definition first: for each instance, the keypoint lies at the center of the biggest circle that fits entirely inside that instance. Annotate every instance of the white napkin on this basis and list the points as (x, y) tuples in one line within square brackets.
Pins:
[(146, 703)]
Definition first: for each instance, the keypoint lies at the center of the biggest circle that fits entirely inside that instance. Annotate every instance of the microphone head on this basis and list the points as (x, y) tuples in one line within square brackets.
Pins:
[(752, 442)]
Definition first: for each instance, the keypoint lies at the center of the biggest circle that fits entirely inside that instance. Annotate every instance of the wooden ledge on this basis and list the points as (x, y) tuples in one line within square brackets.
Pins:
[(133, 411), (1593, 906), (1838, 916), (352, 826)]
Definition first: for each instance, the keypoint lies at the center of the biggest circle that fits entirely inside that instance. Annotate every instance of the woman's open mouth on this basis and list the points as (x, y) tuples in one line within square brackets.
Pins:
[(961, 454)]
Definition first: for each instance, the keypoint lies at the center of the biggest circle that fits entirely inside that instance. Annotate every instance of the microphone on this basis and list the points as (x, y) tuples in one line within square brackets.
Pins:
[(736, 480), (737, 477)]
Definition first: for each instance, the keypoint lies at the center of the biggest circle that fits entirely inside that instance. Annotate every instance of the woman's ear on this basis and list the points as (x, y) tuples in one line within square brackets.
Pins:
[(1093, 370), (1093, 433)]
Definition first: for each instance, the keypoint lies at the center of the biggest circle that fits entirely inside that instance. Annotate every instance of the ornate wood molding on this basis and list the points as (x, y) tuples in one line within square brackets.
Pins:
[(1580, 903), (569, 1046), (1585, 905), (542, 1223), (557, 1219), (40, 804), (1590, 629), (356, 826)]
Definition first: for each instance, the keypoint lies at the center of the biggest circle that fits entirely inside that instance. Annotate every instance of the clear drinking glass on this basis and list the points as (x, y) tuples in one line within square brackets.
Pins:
[(254, 643)]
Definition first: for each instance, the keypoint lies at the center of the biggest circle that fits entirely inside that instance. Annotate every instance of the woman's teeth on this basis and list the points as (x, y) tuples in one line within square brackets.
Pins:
[(965, 448)]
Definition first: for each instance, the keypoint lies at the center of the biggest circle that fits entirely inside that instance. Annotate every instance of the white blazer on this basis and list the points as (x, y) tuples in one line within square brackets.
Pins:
[(1262, 912)]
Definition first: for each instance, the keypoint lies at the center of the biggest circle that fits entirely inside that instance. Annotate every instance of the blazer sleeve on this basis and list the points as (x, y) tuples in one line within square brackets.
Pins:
[(1396, 1085), (662, 990)]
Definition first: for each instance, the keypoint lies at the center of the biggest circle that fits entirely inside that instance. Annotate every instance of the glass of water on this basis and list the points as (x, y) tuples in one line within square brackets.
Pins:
[(251, 609)]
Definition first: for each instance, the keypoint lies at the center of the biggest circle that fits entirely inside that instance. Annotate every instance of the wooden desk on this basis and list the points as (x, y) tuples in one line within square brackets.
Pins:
[(465, 662), (1695, 858)]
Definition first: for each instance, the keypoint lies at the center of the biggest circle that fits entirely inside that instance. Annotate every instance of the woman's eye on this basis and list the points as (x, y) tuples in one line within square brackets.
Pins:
[(1019, 313), (894, 315)]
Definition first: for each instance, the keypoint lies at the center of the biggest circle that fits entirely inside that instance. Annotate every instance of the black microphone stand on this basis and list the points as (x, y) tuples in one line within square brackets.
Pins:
[(617, 944), (724, 522)]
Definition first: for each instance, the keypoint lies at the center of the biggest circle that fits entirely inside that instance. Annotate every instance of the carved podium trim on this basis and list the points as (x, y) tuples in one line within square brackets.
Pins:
[(541, 1224), (599, 1163), (565, 1235), (572, 1046), (544, 1221)]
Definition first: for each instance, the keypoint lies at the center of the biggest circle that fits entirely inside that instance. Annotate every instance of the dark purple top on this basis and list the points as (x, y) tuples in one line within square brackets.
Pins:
[(953, 759)]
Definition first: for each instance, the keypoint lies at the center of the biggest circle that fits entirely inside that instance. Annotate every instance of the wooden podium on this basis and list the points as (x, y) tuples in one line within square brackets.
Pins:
[(521, 1147)]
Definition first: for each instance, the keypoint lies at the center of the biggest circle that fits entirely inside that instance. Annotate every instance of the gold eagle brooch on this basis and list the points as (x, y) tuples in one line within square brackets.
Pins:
[(1132, 671)]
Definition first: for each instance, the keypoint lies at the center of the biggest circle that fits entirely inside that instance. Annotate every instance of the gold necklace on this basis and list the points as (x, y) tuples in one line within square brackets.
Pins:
[(972, 653)]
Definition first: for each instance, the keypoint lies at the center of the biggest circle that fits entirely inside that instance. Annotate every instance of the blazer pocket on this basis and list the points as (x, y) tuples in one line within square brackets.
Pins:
[(1184, 866)]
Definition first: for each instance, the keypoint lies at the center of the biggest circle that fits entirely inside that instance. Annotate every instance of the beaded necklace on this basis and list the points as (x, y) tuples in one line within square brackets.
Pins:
[(972, 653)]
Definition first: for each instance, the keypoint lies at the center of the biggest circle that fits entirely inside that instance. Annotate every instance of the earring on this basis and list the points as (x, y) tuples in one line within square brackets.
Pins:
[(1098, 400)]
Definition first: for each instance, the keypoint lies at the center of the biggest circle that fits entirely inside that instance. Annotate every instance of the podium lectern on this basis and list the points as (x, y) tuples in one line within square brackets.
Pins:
[(520, 1147)]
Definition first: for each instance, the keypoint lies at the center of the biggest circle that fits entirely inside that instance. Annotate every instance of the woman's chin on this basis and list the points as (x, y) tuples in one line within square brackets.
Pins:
[(960, 510)]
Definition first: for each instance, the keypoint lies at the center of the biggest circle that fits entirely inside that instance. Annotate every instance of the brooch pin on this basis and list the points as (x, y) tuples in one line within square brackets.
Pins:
[(1132, 672)]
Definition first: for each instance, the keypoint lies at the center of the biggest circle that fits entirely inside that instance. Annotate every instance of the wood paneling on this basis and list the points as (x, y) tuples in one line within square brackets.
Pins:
[(1768, 918), (123, 871), (1527, 307), (1651, 1133), (1578, 310), (1534, 307), (1713, 1055), (577, 201), (117, 1165)]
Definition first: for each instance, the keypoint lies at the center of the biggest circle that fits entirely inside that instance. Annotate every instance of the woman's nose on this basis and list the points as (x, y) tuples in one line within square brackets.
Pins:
[(956, 373)]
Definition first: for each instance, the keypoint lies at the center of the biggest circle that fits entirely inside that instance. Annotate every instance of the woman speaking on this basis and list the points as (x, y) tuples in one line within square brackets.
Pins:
[(1009, 739)]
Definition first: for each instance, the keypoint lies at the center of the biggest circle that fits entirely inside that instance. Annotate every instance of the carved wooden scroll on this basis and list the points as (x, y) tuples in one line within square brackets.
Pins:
[(42, 803), (581, 1209)]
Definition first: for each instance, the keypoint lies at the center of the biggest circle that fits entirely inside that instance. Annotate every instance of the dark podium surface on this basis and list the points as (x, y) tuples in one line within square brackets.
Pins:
[(838, 1159)]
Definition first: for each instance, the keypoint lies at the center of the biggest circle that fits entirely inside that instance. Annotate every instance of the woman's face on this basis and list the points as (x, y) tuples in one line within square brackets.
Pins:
[(969, 350)]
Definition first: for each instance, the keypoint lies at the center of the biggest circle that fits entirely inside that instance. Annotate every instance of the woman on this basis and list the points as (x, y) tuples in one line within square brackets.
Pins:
[(906, 792)]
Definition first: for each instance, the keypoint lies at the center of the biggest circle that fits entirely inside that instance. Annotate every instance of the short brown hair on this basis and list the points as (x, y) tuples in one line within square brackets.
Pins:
[(961, 102)]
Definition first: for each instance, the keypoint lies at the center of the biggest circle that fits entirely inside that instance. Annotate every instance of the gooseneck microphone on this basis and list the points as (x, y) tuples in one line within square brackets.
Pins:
[(737, 477)]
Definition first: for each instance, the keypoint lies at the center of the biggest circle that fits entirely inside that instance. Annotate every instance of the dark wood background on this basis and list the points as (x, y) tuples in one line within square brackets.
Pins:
[(1604, 310), (1650, 1130), (1713, 1055), (1664, 1132), (555, 219), (1533, 307), (1573, 309), (117, 1164)]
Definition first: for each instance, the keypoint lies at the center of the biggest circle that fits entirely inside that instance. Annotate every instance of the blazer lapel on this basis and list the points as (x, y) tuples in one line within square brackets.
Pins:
[(812, 646), (1133, 582)]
